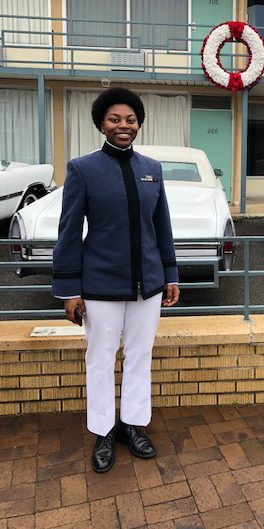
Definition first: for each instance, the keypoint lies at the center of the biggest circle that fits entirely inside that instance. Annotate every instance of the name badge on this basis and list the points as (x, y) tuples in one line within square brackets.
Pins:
[(148, 178)]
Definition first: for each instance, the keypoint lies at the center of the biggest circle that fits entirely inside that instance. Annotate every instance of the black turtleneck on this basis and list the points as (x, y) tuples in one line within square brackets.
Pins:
[(117, 152)]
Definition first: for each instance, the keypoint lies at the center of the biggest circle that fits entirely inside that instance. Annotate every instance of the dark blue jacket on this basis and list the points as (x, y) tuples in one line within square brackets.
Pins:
[(129, 240)]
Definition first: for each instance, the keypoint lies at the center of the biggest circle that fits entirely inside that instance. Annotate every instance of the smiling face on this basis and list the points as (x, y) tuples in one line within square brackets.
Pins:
[(120, 125)]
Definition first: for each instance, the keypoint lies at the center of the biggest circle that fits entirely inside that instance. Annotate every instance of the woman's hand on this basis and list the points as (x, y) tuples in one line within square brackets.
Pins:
[(173, 294), (70, 305)]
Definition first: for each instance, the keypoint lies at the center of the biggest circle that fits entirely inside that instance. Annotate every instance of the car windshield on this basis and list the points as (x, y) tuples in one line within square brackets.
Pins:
[(179, 171)]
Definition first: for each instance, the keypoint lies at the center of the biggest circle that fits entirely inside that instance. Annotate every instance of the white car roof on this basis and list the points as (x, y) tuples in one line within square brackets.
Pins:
[(182, 154)]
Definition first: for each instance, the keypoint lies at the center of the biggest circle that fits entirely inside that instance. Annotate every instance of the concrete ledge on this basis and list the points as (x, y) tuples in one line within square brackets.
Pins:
[(188, 330), (201, 330), (203, 360), (15, 336)]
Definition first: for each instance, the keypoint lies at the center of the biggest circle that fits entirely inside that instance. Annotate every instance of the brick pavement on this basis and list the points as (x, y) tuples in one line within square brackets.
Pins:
[(208, 473)]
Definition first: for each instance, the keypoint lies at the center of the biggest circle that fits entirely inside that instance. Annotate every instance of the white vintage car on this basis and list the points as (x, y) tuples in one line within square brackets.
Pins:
[(21, 184), (198, 209)]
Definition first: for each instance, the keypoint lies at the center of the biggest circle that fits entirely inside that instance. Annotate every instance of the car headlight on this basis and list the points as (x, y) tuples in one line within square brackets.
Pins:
[(16, 231)]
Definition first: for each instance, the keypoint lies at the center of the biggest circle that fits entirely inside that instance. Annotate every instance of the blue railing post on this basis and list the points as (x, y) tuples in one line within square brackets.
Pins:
[(153, 49), (41, 119), (244, 150), (246, 279), (2, 44)]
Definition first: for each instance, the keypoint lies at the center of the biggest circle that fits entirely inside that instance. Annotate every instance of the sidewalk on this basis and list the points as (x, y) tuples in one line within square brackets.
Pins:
[(254, 208), (208, 473)]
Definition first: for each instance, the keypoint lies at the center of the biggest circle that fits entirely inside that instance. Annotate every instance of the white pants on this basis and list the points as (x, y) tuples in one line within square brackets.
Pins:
[(105, 322)]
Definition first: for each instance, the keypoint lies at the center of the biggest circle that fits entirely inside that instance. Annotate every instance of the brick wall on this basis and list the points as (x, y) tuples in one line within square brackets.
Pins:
[(33, 381)]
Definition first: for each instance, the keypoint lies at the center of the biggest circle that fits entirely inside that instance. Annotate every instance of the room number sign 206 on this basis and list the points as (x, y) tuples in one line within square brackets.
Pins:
[(212, 131)]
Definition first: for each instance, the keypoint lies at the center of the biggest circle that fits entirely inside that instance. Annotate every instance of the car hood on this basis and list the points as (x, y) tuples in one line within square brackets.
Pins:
[(192, 211)]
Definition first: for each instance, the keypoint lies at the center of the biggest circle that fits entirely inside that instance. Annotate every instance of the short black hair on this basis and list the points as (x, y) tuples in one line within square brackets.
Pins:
[(113, 96)]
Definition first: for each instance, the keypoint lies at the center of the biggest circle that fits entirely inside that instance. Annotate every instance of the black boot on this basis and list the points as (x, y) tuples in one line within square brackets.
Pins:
[(138, 443), (103, 454)]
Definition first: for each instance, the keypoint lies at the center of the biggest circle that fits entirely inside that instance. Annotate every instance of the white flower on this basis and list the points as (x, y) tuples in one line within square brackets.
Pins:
[(255, 44), (214, 41)]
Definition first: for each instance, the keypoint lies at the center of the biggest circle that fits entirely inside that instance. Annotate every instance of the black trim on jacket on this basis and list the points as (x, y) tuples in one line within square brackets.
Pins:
[(117, 297), (167, 264), (123, 155), (134, 222)]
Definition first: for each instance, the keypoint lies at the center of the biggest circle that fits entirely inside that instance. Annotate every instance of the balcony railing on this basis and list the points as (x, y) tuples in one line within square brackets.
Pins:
[(154, 51), (242, 270)]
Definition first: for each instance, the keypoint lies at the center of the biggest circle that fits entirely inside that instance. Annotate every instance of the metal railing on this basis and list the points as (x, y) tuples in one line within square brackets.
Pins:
[(145, 37), (245, 273)]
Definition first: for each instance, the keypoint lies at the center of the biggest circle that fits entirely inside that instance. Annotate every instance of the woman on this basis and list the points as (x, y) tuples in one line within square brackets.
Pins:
[(116, 276)]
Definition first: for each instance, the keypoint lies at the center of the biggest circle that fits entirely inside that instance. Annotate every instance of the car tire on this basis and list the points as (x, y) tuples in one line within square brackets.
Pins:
[(29, 198), (229, 248)]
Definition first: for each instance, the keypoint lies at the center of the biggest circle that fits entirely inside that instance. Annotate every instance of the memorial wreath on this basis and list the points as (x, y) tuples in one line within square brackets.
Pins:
[(210, 52)]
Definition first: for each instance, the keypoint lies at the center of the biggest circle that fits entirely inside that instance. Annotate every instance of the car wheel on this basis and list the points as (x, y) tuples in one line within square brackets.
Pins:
[(228, 250), (28, 199)]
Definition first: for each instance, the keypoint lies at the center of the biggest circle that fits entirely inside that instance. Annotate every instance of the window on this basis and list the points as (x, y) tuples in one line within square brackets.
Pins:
[(180, 172), (19, 138), (25, 30), (256, 15), (255, 156), (159, 17), (211, 102), (85, 26), (128, 23)]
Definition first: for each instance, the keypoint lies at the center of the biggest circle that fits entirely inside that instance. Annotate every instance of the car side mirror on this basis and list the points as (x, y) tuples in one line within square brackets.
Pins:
[(5, 164), (218, 172)]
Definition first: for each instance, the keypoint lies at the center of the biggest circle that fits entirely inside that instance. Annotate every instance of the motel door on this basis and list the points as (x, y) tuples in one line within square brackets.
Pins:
[(211, 131), (209, 13)]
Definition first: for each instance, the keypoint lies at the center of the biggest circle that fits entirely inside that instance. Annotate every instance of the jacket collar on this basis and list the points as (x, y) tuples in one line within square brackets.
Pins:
[(116, 152)]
